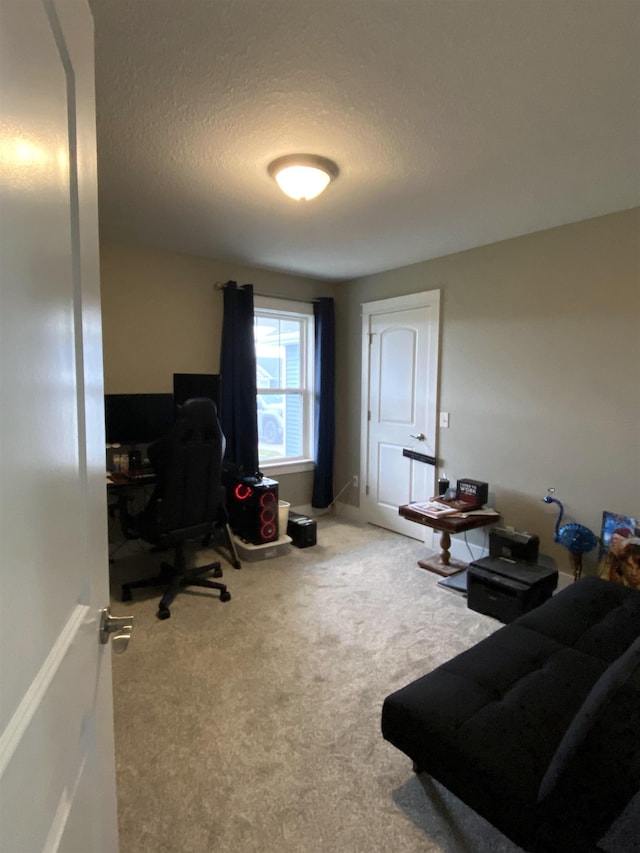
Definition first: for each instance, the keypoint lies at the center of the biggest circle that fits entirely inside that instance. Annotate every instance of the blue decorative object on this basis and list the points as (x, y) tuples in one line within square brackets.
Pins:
[(576, 538)]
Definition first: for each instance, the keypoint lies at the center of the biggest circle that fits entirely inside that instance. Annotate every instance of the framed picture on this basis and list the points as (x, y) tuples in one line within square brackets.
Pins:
[(619, 559)]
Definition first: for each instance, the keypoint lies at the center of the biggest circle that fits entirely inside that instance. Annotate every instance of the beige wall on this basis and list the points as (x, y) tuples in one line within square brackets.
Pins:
[(161, 314), (540, 359), (540, 370)]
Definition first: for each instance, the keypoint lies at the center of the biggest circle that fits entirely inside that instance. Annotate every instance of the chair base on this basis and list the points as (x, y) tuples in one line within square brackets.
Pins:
[(175, 579)]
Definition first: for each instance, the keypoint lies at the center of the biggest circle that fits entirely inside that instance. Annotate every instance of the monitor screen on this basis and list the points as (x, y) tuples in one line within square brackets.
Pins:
[(188, 385), (137, 418)]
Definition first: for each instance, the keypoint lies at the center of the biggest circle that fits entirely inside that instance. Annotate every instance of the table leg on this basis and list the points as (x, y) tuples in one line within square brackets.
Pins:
[(443, 564), (576, 561)]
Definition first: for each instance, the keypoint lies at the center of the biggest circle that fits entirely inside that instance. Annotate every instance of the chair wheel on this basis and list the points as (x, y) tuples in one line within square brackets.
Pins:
[(225, 596), (164, 613), (126, 594), (217, 573)]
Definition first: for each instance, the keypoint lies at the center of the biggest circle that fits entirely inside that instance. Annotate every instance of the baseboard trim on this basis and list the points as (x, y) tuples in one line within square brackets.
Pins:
[(459, 550), (339, 510), (467, 552)]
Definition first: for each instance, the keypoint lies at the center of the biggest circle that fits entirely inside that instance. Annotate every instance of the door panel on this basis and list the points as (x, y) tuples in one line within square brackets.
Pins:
[(57, 768), (396, 398), (392, 481), (400, 366)]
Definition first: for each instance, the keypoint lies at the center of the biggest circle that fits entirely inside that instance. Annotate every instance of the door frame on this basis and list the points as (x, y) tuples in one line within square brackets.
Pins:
[(423, 299)]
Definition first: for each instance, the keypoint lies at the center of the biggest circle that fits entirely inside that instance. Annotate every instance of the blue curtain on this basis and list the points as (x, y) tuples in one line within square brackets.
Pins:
[(238, 414), (325, 370)]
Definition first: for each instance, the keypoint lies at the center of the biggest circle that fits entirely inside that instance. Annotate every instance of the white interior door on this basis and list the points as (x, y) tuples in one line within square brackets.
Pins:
[(57, 768), (400, 374)]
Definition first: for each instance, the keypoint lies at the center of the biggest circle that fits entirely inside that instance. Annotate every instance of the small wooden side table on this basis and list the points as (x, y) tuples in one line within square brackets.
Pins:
[(443, 564)]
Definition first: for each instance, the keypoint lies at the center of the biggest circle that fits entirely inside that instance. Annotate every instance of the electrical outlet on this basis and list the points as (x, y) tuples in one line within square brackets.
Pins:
[(356, 481)]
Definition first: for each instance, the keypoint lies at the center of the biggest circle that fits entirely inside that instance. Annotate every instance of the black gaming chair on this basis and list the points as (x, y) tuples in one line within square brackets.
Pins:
[(187, 502)]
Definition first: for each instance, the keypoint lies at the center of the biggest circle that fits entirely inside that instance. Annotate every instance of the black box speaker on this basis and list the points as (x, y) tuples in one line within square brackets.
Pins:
[(302, 530), (514, 544), (252, 504)]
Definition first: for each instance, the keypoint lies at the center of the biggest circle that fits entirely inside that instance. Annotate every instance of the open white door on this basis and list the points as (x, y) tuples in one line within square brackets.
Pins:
[(400, 383), (57, 768)]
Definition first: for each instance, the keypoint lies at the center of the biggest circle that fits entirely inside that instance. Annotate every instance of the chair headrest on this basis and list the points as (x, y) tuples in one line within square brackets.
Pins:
[(200, 411)]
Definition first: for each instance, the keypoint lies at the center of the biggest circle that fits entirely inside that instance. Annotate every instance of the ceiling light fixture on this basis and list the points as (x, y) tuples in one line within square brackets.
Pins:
[(303, 176)]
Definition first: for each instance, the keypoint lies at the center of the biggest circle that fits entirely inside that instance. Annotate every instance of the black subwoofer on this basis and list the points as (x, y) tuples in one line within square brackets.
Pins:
[(301, 529)]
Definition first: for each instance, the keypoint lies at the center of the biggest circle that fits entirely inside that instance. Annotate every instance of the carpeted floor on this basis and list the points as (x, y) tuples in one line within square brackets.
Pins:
[(254, 725)]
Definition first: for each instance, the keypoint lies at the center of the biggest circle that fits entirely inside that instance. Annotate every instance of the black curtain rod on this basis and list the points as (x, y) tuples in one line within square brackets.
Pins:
[(220, 285)]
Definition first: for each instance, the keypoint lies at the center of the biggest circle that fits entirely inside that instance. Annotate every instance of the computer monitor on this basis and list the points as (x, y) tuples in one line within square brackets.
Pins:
[(138, 418), (188, 385)]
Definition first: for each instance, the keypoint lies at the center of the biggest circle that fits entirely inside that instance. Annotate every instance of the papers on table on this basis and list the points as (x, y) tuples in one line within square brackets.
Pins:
[(438, 509), (433, 509)]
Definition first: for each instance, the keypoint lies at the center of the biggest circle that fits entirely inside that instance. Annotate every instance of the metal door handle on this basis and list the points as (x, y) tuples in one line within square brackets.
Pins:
[(118, 626), (420, 436)]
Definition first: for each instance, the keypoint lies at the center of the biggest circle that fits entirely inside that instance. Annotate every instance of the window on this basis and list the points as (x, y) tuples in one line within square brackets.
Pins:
[(283, 332)]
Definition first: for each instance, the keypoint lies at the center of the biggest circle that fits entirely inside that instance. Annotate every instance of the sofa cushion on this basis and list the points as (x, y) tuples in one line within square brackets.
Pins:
[(594, 616), (491, 720), (596, 771), (600, 709), (488, 720)]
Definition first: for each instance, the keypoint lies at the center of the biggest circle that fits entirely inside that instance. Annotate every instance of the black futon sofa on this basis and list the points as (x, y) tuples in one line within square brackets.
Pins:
[(537, 727)]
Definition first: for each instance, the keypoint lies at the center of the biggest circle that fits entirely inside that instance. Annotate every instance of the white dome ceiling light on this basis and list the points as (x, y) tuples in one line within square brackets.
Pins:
[(303, 176)]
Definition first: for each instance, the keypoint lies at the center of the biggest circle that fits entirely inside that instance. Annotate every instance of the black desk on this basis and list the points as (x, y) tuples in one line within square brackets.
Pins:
[(116, 480), (124, 487), (125, 496)]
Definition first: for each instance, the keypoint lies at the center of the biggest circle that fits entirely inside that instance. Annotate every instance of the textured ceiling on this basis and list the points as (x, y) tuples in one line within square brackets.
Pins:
[(455, 123)]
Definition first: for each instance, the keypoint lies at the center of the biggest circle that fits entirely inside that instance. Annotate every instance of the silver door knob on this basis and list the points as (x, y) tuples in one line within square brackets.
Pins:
[(117, 627), (420, 436)]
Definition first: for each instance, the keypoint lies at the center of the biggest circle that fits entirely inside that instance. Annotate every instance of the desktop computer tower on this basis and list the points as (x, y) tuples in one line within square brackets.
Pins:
[(252, 504)]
